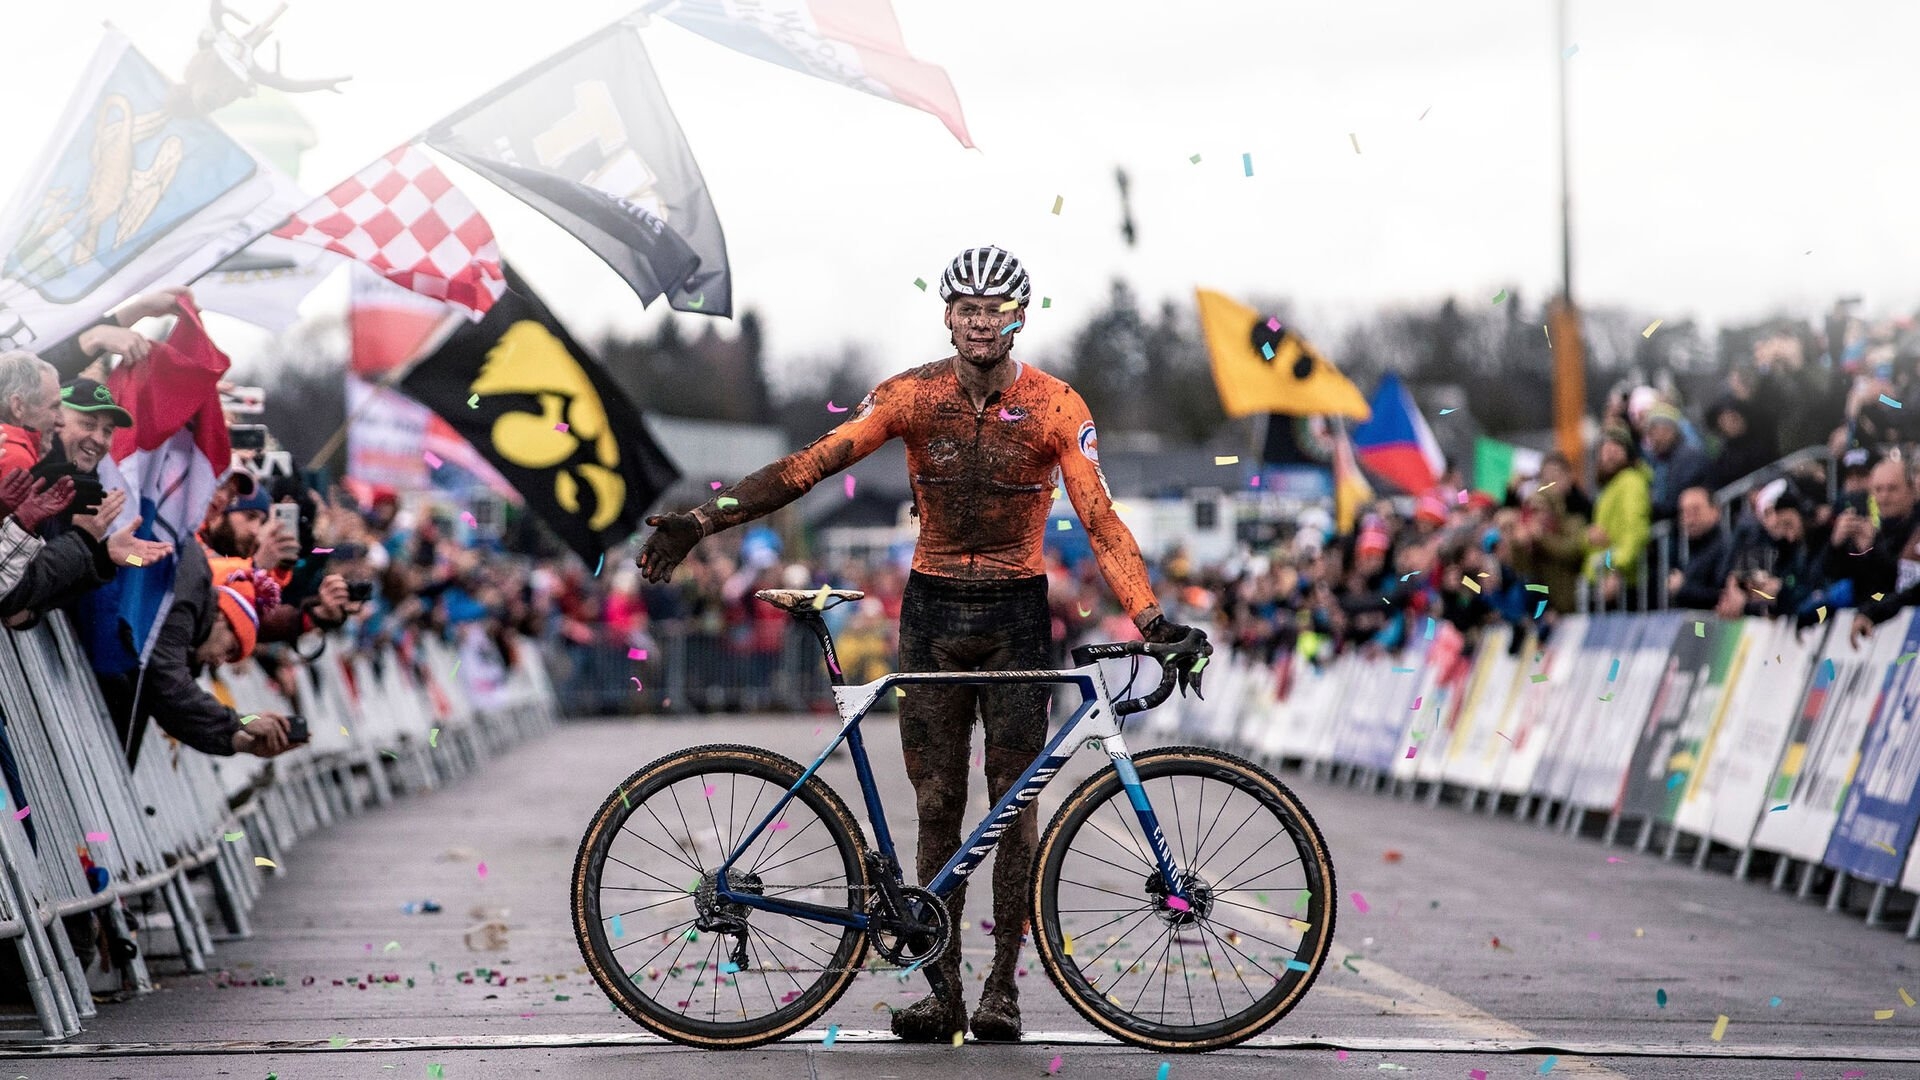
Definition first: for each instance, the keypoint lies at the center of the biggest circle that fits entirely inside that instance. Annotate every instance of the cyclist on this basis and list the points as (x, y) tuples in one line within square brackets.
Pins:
[(989, 442)]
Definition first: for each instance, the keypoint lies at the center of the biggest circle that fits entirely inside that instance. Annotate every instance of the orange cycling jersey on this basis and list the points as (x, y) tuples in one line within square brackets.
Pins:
[(983, 479)]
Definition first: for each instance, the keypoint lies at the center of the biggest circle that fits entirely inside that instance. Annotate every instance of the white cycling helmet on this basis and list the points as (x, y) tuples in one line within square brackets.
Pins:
[(986, 271)]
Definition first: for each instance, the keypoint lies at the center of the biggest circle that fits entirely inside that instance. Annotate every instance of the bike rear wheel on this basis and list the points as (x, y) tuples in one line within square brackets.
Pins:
[(1244, 949), (685, 963)]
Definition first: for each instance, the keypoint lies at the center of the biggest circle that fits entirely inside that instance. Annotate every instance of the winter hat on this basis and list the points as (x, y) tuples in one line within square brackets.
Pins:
[(236, 603)]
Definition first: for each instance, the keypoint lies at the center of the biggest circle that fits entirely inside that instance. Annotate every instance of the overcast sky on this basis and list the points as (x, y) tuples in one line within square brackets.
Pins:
[(1716, 143)]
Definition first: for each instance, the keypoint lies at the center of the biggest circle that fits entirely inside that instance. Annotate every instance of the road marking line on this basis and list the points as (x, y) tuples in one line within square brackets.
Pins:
[(1354, 1044), (1460, 1014)]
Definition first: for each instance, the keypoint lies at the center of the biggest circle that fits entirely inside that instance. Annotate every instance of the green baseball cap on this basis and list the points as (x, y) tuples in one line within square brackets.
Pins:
[(86, 395)]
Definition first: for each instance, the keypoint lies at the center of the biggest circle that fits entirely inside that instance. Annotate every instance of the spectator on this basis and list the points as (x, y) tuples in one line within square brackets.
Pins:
[(1617, 539), (1699, 584), (1856, 469), (1743, 448), (29, 408), (1874, 559), (1769, 570), (1676, 464), (1556, 474), (1548, 546)]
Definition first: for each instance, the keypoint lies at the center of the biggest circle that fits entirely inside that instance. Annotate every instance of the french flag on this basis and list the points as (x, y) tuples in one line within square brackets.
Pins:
[(855, 43), (1397, 445), (170, 462)]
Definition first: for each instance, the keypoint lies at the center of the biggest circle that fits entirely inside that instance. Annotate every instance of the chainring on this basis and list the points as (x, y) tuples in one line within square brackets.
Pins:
[(926, 911)]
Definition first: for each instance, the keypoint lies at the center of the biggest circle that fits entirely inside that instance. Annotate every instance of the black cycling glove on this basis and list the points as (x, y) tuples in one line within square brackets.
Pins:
[(1191, 659)]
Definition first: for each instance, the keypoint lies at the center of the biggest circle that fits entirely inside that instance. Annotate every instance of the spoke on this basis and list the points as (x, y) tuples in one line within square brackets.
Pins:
[(647, 907), (674, 790), (1199, 859), (1165, 951), (1241, 885), (1250, 907), (676, 856), (667, 830), (1213, 973), (1097, 957), (1096, 888), (1098, 859), (793, 834), (681, 889), (1186, 978), (1179, 829), (1096, 929), (717, 831), (1294, 949), (1225, 944), (1250, 855), (1134, 840), (1249, 958), (764, 870)]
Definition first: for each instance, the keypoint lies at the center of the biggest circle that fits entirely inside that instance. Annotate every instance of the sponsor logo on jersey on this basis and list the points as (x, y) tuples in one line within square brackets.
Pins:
[(866, 406), (1089, 442)]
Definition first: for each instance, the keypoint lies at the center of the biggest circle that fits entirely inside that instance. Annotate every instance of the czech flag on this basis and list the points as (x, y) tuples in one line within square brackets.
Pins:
[(855, 43), (1396, 445)]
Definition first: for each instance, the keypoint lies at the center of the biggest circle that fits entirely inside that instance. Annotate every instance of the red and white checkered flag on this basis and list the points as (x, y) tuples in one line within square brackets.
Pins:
[(403, 217)]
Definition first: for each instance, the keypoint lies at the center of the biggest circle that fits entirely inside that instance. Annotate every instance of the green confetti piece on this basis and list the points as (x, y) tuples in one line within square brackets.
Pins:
[(390, 946), (1699, 629), (433, 738), (473, 402), (1201, 665), (1066, 526), (436, 1071), (1195, 159), (1537, 588), (1046, 301), (726, 502), (245, 720), (1500, 297), (1904, 657), (920, 283), (1538, 678), (232, 836), (1660, 998), (337, 1041)]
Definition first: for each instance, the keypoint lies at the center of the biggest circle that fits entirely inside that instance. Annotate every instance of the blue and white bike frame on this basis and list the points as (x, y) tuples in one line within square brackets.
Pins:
[(1093, 724)]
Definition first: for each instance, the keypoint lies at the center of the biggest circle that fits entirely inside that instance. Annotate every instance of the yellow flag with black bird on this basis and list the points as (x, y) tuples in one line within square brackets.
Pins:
[(1261, 365)]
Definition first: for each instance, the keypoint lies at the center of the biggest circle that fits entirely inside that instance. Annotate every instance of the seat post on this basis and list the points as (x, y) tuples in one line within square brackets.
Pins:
[(811, 619)]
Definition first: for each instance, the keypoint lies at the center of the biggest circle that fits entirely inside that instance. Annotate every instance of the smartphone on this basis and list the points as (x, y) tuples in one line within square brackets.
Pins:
[(288, 516), (248, 436), (1857, 502), (359, 592), (297, 731)]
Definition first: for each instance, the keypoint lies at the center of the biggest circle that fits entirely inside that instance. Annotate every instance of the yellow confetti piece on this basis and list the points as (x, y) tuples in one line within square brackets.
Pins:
[(135, 560), (1355, 140), (1761, 595), (1469, 583), (820, 598), (1822, 612), (1229, 459), (1884, 846), (1906, 998), (1651, 327), (1883, 1014), (1066, 944), (1009, 305), (260, 860), (1876, 596), (1058, 202), (961, 1036), (1720, 1028)]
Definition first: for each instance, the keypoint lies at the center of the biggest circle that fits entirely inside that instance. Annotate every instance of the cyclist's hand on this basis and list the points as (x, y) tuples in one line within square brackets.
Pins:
[(673, 536), (1194, 649)]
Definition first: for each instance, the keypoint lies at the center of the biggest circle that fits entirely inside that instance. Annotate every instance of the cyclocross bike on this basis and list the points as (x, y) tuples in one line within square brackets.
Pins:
[(724, 896)]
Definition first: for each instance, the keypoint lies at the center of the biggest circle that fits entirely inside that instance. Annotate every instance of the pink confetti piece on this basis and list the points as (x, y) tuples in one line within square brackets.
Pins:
[(831, 407), (468, 518), (483, 871), (1178, 904), (323, 551), (1476, 1074), (432, 459), (779, 825), (98, 838), (1005, 415), (560, 426), (708, 791), (1416, 703), (849, 487), (21, 814), (1410, 751), (1615, 859), (636, 654), (636, 684), (715, 485), (1360, 904), (1054, 1065), (1340, 1055)]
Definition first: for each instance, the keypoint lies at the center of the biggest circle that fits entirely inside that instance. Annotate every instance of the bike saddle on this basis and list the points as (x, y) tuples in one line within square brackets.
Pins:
[(798, 599)]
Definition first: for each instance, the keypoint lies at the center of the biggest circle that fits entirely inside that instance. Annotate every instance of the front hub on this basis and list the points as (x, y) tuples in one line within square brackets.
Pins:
[(1193, 904)]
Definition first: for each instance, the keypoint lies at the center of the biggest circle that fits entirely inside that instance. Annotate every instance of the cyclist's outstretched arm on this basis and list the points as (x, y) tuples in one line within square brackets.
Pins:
[(775, 485), (1113, 545)]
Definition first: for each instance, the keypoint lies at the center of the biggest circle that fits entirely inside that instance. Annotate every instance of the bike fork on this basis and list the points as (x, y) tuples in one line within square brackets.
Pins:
[(1149, 821)]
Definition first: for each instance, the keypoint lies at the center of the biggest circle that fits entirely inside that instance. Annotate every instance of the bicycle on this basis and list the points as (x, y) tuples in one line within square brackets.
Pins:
[(747, 931)]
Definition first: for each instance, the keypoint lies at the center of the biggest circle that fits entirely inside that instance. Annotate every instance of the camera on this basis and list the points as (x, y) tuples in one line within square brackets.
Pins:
[(248, 436), (359, 592), (297, 730)]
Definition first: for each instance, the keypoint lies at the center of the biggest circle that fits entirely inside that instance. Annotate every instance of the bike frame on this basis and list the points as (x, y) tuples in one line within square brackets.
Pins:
[(1093, 724)]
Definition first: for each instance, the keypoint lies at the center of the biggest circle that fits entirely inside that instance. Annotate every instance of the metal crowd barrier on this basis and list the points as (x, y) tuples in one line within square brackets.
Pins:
[(1739, 745), (178, 838), (687, 672)]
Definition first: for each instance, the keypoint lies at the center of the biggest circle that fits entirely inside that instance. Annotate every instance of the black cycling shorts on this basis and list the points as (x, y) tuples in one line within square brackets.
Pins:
[(951, 625)]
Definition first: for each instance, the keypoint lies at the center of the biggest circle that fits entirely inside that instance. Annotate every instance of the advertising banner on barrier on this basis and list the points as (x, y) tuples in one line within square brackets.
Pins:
[(1321, 697), (1685, 704), (1603, 654), (1709, 726), (1882, 804), (1823, 746), (1522, 737), (1760, 710), (1472, 750), (1617, 723), (1373, 728), (1435, 710)]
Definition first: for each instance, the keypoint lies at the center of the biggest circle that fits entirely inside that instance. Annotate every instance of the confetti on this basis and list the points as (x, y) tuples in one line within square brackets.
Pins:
[(849, 486), (1355, 140), (1046, 301), (1537, 678), (1547, 1065), (726, 502), (1229, 459), (1905, 998), (1651, 327), (1568, 53), (1614, 670), (98, 838), (1195, 159), (831, 407), (1719, 1028), (1178, 904), (1410, 751), (432, 459), (1773, 1003), (269, 863), (833, 1033), (636, 654), (1058, 202), (728, 967), (960, 1036), (1884, 846), (1165, 1068), (1054, 1065), (1476, 1074), (1500, 297), (1009, 305), (1699, 629), (560, 426), (22, 813), (1360, 903), (779, 825), (920, 283), (135, 560), (436, 1071), (1660, 998), (1878, 1014), (1777, 809), (1246, 162), (1469, 583), (1299, 965), (1403, 671), (483, 871), (1065, 526), (1010, 327), (1889, 402), (232, 836)]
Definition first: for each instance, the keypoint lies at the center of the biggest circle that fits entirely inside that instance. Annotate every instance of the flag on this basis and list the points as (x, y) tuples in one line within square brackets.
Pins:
[(1350, 487), (1496, 464), (169, 461), (395, 442), (265, 282), (549, 419), (855, 43), (587, 139), (1396, 445), (1260, 365), (386, 324), (404, 218), (134, 190)]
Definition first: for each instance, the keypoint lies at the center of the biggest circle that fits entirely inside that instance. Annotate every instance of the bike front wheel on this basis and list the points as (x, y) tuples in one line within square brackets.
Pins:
[(1201, 974), (685, 962)]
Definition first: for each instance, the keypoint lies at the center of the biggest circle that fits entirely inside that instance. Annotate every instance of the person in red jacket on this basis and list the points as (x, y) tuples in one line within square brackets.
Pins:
[(29, 408)]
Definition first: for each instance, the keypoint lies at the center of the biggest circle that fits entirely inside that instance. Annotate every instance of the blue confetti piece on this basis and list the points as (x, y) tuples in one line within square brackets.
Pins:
[(601, 563), (1266, 349), (833, 1033), (1547, 1065), (1299, 965), (1246, 162), (1889, 402), (1613, 671), (1826, 667), (618, 930), (1540, 609), (1608, 559), (1567, 54), (1676, 780), (1167, 1066), (1444, 412), (1773, 1003), (1777, 809), (1010, 328), (1429, 628), (1403, 671), (729, 968)]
